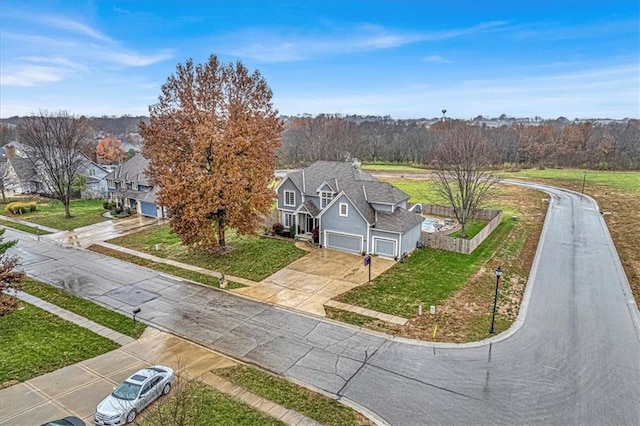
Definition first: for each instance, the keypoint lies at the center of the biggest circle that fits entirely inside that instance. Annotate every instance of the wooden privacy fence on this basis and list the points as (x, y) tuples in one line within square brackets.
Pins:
[(459, 245)]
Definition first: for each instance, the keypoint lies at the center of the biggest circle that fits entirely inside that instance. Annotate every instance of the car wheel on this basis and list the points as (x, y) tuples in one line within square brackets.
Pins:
[(166, 388), (131, 416)]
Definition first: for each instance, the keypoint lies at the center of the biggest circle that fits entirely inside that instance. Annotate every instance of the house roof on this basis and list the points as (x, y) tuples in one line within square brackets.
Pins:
[(359, 186), (132, 170), (24, 169), (399, 221), (311, 207)]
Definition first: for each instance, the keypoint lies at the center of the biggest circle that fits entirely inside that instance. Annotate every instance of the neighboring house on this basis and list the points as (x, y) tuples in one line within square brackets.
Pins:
[(128, 187), (96, 182), (353, 211), (19, 177)]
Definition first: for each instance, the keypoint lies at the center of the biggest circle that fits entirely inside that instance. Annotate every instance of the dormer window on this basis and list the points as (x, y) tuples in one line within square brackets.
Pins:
[(134, 186), (111, 183), (325, 199)]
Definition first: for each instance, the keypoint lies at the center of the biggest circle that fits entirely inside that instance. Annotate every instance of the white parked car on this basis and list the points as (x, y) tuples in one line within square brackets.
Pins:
[(133, 395)]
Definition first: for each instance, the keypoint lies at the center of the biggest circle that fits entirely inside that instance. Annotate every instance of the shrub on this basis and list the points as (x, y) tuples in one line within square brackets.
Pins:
[(292, 230), (17, 207), (108, 206), (277, 228), (33, 206)]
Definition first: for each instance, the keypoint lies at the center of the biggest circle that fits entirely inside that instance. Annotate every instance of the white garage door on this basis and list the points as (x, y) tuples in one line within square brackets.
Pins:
[(344, 242), (384, 247)]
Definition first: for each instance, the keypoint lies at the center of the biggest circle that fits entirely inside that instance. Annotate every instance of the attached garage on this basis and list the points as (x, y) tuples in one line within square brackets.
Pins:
[(148, 209), (384, 247), (342, 241)]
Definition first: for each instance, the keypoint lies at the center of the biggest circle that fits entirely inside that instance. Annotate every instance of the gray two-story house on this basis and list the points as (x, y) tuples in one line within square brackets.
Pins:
[(128, 187), (352, 210)]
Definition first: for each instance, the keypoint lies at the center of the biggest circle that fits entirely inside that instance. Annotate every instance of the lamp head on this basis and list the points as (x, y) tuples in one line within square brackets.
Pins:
[(136, 311), (498, 271)]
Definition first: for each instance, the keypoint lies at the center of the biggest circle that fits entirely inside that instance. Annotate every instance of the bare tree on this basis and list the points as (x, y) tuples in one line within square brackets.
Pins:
[(463, 162), (54, 143)]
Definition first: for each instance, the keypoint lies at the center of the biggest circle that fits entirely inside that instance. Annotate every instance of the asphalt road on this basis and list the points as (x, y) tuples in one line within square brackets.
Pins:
[(573, 356)]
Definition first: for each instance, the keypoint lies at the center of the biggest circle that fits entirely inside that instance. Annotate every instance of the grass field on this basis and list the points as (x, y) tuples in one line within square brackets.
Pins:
[(251, 258), (35, 342), (83, 307), (324, 410), (391, 167), (50, 213)]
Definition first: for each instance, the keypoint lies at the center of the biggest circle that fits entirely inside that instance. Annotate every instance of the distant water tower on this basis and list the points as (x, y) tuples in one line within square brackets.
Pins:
[(444, 111)]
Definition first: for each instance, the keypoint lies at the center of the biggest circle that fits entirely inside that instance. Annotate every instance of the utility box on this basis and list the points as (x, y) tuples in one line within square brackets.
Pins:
[(432, 310)]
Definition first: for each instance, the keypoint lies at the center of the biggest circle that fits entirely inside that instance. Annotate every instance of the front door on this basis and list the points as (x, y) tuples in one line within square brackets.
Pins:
[(311, 222)]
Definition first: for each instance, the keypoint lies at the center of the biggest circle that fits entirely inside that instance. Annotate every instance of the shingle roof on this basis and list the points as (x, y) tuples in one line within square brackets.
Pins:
[(132, 170), (399, 221), (311, 207), (24, 169), (358, 185)]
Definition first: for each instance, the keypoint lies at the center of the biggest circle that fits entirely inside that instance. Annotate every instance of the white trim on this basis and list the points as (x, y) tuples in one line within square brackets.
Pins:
[(325, 232), (333, 191), (284, 196), (277, 188), (395, 246), (346, 211), (284, 221), (328, 201)]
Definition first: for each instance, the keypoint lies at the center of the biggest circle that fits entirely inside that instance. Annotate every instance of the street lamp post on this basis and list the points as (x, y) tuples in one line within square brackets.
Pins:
[(495, 299), (584, 178)]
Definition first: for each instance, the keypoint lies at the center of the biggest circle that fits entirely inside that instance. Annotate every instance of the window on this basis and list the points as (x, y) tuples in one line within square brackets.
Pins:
[(288, 220), (344, 209), (111, 183), (325, 199), (289, 198), (92, 172), (134, 185)]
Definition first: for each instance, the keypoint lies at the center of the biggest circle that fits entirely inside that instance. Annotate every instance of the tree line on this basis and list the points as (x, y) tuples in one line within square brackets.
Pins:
[(555, 143)]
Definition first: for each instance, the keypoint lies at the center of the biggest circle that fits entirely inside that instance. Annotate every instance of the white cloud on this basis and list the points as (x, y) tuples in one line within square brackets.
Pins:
[(31, 75), (133, 59), (73, 26), (273, 45), (436, 59)]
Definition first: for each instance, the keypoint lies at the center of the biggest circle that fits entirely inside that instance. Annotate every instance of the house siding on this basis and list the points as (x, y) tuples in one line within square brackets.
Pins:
[(332, 221), (288, 186), (382, 207), (410, 238)]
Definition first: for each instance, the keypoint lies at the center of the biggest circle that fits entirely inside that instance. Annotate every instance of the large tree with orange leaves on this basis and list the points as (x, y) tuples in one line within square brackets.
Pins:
[(110, 150), (211, 144)]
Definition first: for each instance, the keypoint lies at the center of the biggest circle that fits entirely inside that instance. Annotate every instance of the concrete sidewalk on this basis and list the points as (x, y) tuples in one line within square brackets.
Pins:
[(78, 388)]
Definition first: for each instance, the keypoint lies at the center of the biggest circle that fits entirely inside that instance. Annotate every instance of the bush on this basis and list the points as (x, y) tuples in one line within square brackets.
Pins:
[(33, 206), (277, 228), (17, 207), (109, 206), (292, 230)]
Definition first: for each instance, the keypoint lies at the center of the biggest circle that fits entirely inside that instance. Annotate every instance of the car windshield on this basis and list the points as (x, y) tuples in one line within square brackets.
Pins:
[(127, 391)]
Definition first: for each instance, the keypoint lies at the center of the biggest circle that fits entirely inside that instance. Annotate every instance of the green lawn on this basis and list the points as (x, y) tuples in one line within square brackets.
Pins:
[(164, 267), (83, 307), (196, 404), (35, 342), (472, 229), (324, 410), (426, 278), (251, 258), (22, 227), (50, 213)]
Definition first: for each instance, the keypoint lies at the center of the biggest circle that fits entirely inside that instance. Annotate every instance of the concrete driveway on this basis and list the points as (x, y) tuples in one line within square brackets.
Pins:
[(103, 231), (308, 283), (78, 388)]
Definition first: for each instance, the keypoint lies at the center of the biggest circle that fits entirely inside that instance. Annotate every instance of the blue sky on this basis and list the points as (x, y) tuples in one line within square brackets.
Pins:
[(406, 59)]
